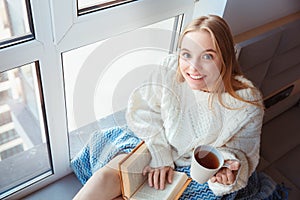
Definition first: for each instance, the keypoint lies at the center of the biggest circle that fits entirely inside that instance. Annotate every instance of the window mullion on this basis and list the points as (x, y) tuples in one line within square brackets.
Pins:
[(20, 54), (51, 74), (52, 86), (62, 18)]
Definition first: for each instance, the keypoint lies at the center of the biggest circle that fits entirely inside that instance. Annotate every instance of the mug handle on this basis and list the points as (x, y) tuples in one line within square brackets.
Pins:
[(228, 165)]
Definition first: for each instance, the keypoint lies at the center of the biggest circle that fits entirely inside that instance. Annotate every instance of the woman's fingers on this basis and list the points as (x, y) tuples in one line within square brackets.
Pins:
[(146, 170), (170, 175), (213, 179), (162, 179), (221, 177), (157, 176), (166, 173), (224, 176), (233, 164), (150, 178), (230, 176)]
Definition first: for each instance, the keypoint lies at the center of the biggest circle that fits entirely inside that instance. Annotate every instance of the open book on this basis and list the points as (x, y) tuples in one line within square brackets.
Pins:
[(135, 186)]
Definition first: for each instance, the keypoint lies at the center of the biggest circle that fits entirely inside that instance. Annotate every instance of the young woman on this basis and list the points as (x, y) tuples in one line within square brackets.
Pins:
[(198, 96)]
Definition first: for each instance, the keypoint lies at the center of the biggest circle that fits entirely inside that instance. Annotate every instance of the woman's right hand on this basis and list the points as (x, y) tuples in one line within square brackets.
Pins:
[(227, 175), (157, 177)]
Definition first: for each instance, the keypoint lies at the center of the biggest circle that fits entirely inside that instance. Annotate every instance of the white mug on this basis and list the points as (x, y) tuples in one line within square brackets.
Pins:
[(206, 162)]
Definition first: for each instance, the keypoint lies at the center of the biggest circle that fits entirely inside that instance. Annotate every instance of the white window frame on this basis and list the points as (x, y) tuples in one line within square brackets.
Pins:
[(58, 29), (112, 21)]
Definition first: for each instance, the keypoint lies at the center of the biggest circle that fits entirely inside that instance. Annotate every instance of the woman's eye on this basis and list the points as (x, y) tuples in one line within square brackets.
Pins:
[(186, 55), (207, 57)]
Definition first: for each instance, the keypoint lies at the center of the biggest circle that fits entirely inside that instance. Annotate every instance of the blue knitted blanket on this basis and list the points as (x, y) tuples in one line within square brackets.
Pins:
[(105, 145)]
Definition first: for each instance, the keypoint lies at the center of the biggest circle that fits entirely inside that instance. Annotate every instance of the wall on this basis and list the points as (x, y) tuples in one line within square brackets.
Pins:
[(205, 7), (243, 15)]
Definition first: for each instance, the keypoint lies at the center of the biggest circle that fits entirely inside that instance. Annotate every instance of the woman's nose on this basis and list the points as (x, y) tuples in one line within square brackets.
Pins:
[(195, 64)]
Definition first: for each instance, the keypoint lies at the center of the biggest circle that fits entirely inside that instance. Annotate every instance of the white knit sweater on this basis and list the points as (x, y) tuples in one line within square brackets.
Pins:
[(173, 119)]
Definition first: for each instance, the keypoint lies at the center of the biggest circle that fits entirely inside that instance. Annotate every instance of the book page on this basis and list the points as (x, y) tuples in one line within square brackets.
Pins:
[(169, 193), (132, 168)]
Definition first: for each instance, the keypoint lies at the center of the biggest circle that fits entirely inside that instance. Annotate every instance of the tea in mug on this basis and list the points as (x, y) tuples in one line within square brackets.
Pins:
[(207, 159)]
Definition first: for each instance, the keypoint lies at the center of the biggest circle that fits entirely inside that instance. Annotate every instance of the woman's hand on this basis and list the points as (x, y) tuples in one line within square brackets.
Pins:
[(157, 177), (227, 175)]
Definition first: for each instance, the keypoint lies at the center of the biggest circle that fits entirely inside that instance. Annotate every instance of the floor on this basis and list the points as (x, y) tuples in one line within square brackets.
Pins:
[(280, 154)]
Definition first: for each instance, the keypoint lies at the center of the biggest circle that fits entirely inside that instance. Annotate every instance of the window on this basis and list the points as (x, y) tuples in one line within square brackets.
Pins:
[(112, 75), (15, 22), (22, 129), (36, 113)]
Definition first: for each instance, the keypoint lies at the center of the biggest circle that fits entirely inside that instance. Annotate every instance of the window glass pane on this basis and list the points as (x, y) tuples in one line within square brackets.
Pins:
[(14, 22), (24, 154), (86, 6), (100, 77)]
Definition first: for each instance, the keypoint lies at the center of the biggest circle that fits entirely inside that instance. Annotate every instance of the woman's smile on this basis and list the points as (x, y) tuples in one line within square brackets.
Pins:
[(196, 77)]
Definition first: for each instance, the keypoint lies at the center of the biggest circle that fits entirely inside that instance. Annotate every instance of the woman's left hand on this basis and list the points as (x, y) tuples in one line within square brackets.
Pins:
[(157, 177), (227, 175)]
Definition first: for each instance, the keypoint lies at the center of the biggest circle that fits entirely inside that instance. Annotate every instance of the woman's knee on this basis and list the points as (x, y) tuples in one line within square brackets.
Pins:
[(106, 176)]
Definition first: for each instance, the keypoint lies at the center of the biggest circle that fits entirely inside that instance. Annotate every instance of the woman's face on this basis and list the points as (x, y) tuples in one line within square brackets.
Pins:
[(199, 63)]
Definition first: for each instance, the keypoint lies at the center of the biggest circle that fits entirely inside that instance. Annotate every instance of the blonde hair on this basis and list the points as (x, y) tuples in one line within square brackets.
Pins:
[(224, 45)]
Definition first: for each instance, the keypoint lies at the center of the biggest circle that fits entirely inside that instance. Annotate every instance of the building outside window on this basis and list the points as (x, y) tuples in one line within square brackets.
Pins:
[(22, 129), (15, 22)]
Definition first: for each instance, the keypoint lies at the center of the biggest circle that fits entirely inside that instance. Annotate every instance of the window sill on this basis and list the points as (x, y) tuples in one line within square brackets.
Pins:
[(65, 188), (78, 138)]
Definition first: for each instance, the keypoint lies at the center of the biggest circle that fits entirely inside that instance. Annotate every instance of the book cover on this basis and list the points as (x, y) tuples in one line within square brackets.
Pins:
[(135, 186)]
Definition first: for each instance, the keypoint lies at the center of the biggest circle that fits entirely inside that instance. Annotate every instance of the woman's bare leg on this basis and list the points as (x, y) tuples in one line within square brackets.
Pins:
[(104, 184)]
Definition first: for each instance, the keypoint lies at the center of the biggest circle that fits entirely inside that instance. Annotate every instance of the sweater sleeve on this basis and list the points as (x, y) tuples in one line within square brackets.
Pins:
[(144, 118), (243, 146)]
